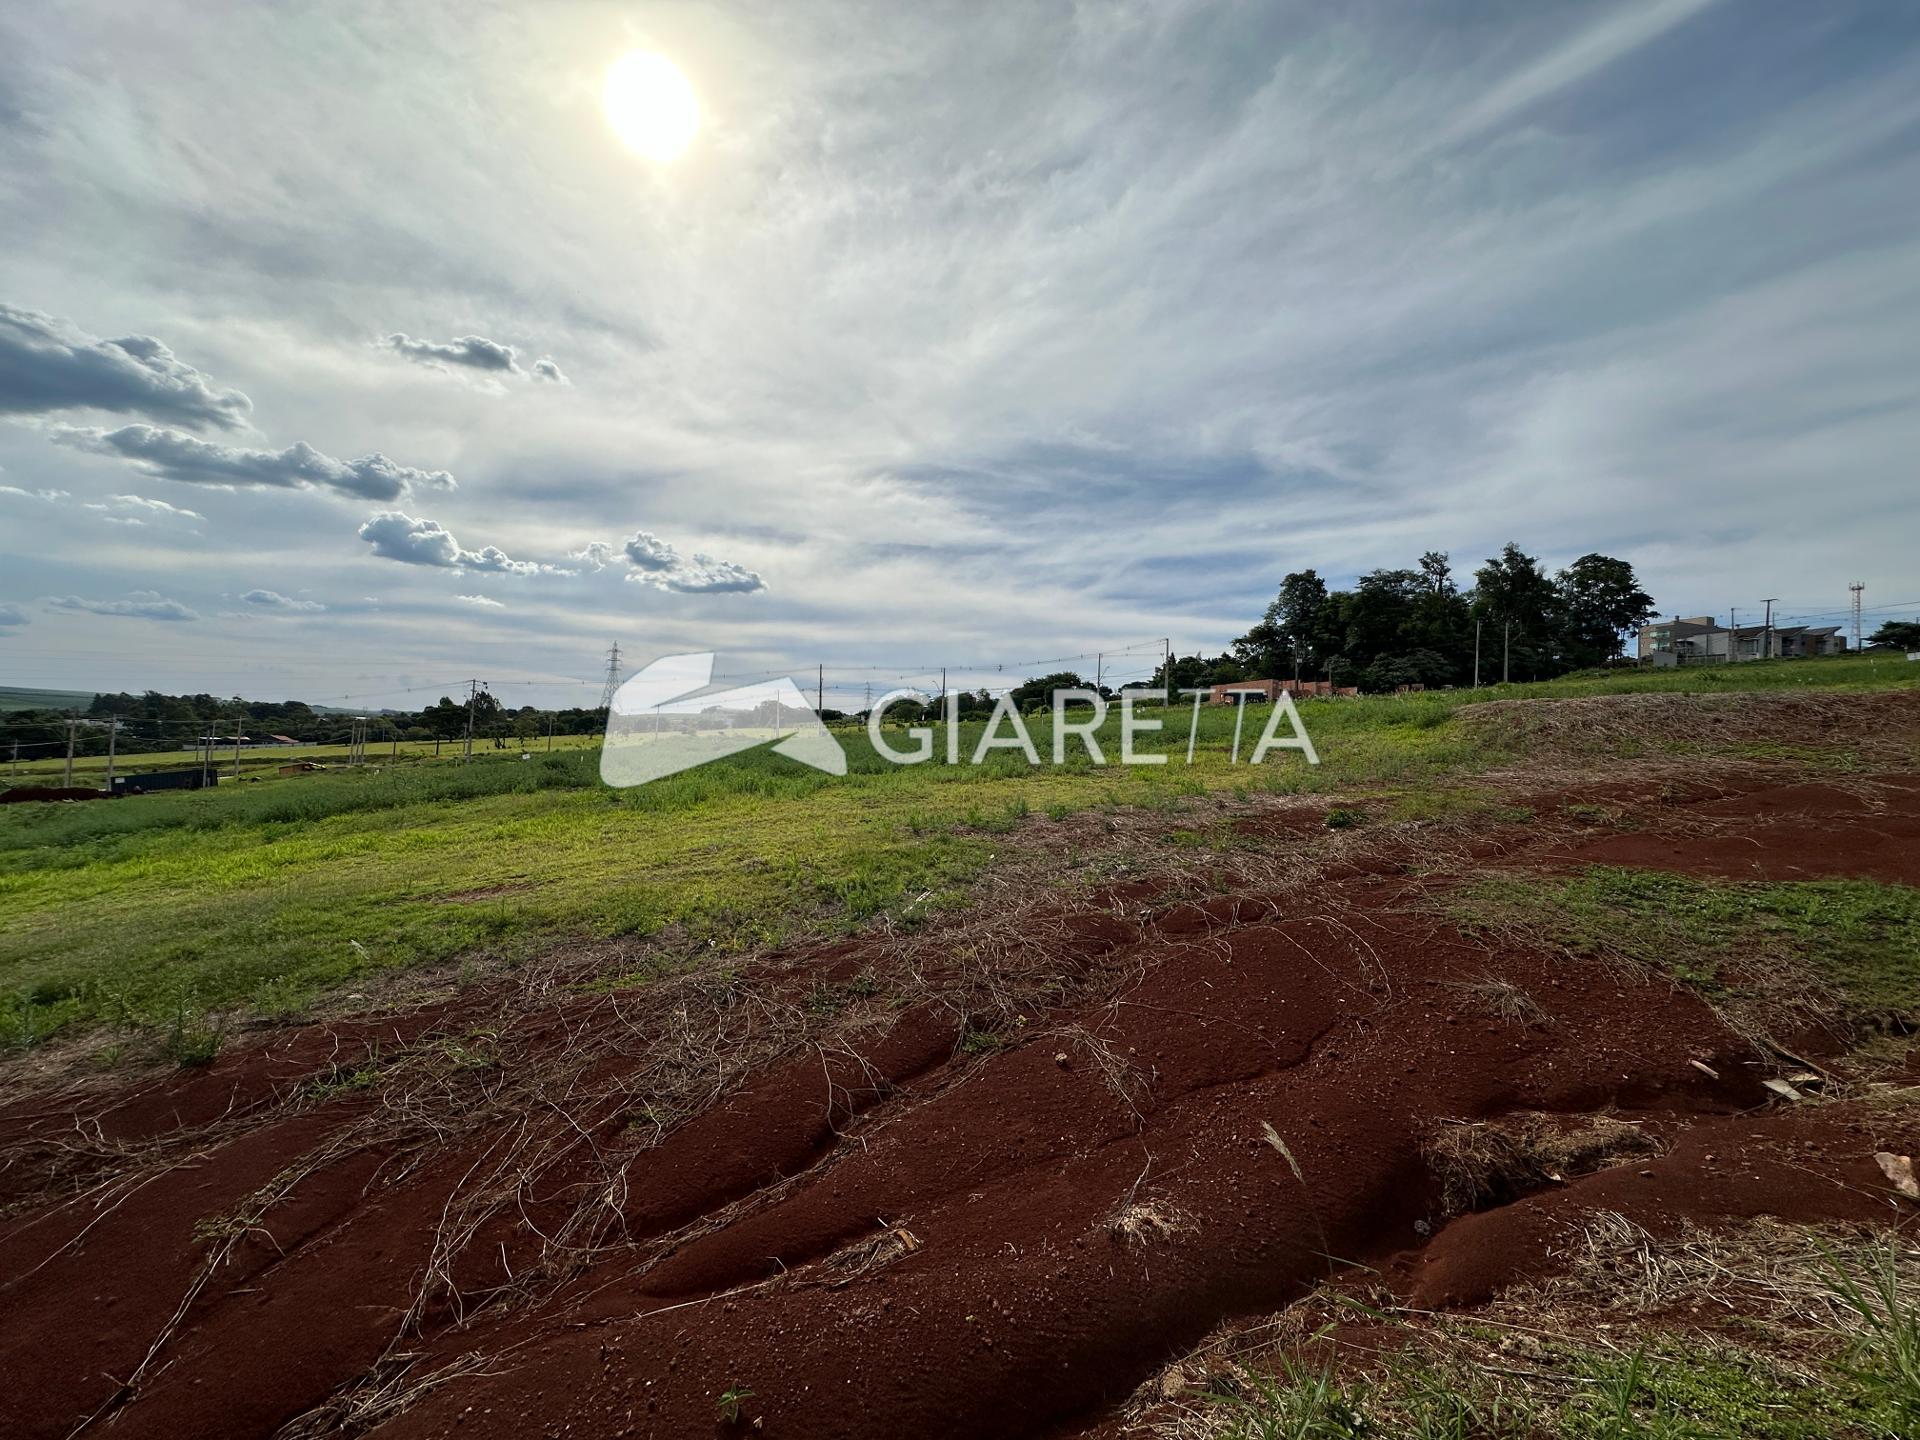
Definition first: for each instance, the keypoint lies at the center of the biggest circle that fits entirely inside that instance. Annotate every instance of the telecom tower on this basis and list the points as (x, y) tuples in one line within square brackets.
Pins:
[(613, 679), (1856, 587)]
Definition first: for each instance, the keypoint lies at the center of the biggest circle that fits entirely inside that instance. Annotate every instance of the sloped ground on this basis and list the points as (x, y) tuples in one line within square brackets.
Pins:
[(982, 1179)]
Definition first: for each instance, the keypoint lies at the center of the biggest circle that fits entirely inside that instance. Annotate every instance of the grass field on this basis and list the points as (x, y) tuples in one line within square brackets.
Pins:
[(13, 697), (263, 897), (264, 762)]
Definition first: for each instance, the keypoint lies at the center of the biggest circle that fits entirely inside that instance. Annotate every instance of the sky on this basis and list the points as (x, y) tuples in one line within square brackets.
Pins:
[(347, 352)]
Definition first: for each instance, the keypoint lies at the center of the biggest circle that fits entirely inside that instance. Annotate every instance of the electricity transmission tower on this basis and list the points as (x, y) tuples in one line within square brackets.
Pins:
[(1857, 587), (613, 679)]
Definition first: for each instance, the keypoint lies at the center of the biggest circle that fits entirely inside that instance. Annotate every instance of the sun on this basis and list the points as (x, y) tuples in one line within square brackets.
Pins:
[(651, 106)]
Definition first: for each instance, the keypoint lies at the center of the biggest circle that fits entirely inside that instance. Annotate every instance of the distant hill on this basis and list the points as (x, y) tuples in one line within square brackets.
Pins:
[(12, 698)]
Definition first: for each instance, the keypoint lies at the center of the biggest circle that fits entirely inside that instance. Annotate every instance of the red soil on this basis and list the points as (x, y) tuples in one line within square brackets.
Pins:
[(1870, 828), (1248, 1093)]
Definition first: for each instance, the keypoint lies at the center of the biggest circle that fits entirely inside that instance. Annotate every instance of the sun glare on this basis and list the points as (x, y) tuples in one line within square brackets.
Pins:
[(651, 106)]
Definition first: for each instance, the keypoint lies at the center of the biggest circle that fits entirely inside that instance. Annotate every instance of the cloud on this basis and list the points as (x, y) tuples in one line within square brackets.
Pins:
[(395, 535), (1619, 33), (47, 364), (545, 369), (486, 600), (657, 563), (274, 600), (11, 615), (171, 455), (649, 553), (471, 352), (50, 496), (595, 554), (158, 507), (140, 605)]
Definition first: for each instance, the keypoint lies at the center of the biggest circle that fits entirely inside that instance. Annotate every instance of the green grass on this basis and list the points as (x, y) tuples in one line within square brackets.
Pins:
[(265, 897), (14, 697), (1860, 937), (1670, 1387)]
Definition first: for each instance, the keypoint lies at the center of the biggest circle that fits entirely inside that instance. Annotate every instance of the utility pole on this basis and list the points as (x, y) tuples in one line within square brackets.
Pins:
[(552, 715), (236, 747), (1733, 634), (1506, 653), (1099, 668), (113, 734), (1476, 652), (1857, 587), (67, 783), (473, 696), (1166, 666), (943, 687), (1766, 651)]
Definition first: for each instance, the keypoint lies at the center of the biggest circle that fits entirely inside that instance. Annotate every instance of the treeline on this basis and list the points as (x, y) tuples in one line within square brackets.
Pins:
[(152, 722), (1417, 626)]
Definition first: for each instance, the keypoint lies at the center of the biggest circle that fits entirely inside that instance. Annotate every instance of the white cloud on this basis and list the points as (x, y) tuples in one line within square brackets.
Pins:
[(657, 563), (470, 352), (140, 605), (395, 535), (12, 616), (274, 600), (174, 455), (595, 554), (158, 507), (48, 364), (485, 600)]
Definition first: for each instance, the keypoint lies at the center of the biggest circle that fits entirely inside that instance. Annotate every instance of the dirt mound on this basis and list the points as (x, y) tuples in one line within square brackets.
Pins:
[(1261, 1093), (1864, 826), (1885, 723)]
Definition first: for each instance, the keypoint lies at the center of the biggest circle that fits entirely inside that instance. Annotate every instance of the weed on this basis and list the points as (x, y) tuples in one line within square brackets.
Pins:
[(194, 1037), (729, 1403), (1886, 1359), (981, 1042)]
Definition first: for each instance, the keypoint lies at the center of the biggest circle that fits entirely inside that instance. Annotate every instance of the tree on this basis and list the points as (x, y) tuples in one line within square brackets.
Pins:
[(1515, 595), (1295, 634), (1597, 599), (1038, 694), (1896, 635)]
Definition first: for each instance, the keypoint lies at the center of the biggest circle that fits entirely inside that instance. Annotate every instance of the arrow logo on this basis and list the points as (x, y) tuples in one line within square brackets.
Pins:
[(666, 719)]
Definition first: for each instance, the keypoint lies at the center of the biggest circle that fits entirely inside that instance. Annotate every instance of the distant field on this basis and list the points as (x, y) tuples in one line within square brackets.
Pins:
[(264, 762), (263, 897), (13, 698)]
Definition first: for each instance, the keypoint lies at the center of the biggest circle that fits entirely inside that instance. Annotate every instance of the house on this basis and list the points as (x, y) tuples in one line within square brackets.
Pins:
[(1702, 640), (1267, 691)]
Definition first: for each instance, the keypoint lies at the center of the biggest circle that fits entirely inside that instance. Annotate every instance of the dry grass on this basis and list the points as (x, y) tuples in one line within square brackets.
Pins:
[(1492, 1162), (1817, 1308), (1504, 1000)]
